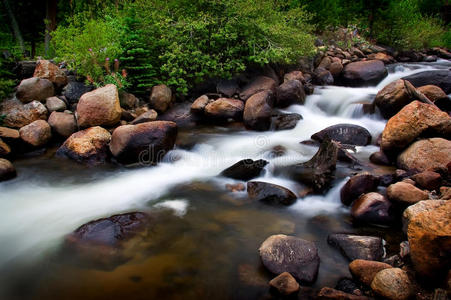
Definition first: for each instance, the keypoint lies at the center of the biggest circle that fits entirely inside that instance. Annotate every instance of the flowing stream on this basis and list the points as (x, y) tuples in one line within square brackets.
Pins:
[(205, 245)]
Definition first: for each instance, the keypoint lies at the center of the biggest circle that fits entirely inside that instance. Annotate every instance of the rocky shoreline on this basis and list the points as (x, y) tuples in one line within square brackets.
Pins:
[(94, 126)]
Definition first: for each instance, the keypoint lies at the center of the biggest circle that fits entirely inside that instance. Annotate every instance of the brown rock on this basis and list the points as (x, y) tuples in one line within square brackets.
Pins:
[(414, 119), (161, 98), (335, 68), (422, 206), (55, 104), (357, 246), (392, 98), (434, 153), (87, 146), (445, 193), (393, 283), (127, 100), (20, 115), (372, 208), (34, 89), (225, 108), (364, 73), (37, 133), (9, 133), (290, 92), (294, 75), (99, 108), (406, 193), (148, 116), (4, 149), (259, 84), (146, 143), (429, 235), (365, 270), (258, 111), (433, 92), (237, 187), (63, 124), (379, 158), (47, 70), (7, 170), (428, 180), (270, 193), (327, 293), (199, 104), (385, 58), (356, 186), (285, 284)]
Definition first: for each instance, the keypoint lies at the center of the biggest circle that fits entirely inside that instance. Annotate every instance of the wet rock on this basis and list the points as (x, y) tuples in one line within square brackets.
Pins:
[(63, 123), (74, 90), (290, 92), (434, 153), (270, 193), (429, 236), (180, 114), (318, 172), (379, 158), (88, 146), (55, 104), (363, 73), (228, 88), (99, 108), (440, 78), (148, 116), (48, 70), (102, 242), (345, 133), (5, 149), (356, 186), (285, 284), (357, 247), (392, 98), (433, 93), (225, 108), (249, 275), (127, 100), (327, 293), (428, 180), (20, 115), (335, 69), (286, 121), (321, 76), (385, 58), (259, 84), (146, 143), (281, 253), (36, 134), (294, 75), (245, 169), (409, 123), (258, 111), (237, 187), (161, 98), (199, 104), (372, 208), (393, 284), (406, 193), (34, 89), (365, 270), (7, 170)]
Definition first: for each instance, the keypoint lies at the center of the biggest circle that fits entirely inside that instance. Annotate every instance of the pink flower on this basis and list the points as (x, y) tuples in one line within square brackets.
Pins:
[(90, 49)]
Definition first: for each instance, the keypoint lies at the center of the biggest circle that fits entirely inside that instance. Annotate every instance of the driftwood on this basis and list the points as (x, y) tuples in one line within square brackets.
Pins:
[(415, 94)]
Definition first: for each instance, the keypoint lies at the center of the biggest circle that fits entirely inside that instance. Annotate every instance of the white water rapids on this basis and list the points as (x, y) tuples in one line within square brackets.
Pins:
[(35, 215)]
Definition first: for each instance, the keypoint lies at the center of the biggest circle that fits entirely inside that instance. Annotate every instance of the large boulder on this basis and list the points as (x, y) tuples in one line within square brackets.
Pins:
[(356, 186), (245, 169), (48, 70), (428, 154), (290, 92), (440, 78), (74, 90), (225, 108), (393, 284), (346, 134), (100, 107), (420, 207), (429, 235), (87, 146), (103, 242), (259, 84), (62, 123), (36, 134), (363, 73), (392, 98), (55, 104), (365, 270), (7, 170), (357, 247), (270, 193), (258, 111), (34, 89), (405, 193), (372, 208), (281, 253), (161, 98), (413, 120), (146, 143), (20, 115)]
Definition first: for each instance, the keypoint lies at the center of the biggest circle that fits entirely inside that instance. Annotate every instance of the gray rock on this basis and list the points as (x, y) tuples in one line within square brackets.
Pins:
[(358, 247)]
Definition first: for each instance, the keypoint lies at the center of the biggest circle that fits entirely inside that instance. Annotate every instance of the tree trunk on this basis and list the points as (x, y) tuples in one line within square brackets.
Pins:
[(14, 26), (50, 23)]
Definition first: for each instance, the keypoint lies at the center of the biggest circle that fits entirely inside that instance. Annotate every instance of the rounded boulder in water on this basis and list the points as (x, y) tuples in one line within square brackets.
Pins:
[(346, 134)]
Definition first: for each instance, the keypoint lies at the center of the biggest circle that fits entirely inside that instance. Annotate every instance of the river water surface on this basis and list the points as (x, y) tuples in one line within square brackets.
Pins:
[(203, 243)]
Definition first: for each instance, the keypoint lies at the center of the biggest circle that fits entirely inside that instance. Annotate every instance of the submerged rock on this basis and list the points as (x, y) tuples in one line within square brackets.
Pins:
[(356, 186), (363, 73), (357, 247), (270, 193), (245, 169), (281, 253), (7, 170), (346, 134)]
